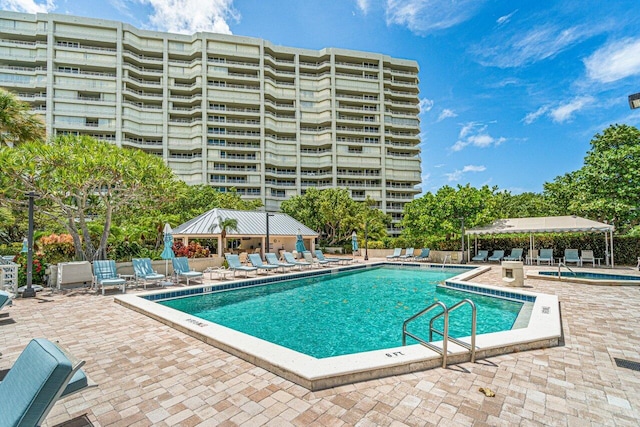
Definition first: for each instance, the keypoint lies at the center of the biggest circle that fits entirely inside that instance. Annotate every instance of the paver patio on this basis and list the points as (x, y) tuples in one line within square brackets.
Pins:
[(150, 374)]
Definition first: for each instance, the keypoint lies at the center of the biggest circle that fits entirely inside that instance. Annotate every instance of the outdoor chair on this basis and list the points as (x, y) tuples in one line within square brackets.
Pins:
[(288, 257), (104, 274), (42, 374), (496, 256), (515, 255), (571, 255), (481, 256), (181, 269), (272, 259), (236, 265), (395, 255), (587, 256), (5, 299), (256, 261), (424, 255), (532, 255), (314, 262), (144, 273), (408, 254), (546, 255), (339, 260)]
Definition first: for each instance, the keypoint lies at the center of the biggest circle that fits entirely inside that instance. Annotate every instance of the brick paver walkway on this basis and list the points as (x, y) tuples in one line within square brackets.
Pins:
[(150, 374)]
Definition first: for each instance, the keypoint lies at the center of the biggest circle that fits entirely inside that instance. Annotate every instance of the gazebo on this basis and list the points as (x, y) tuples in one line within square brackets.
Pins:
[(251, 231), (548, 224)]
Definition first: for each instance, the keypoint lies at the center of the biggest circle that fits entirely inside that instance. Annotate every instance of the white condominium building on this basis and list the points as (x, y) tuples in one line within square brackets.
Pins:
[(228, 111)]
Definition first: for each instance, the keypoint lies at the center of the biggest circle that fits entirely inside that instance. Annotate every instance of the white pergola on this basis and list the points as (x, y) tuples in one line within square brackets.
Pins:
[(548, 224)]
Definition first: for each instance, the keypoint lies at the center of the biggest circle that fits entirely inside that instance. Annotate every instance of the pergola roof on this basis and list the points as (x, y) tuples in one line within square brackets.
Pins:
[(545, 224), (250, 223)]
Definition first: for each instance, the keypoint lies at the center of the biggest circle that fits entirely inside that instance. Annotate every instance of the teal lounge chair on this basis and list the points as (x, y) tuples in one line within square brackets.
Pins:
[(395, 255), (42, 374), (515, 255), (408, 254), (235, 265), (424, 255), (273, 260), (481, 256), (181, 269), (5, 299), (288, 257), (339, 260), (144, 273), (496, 256), (104, 274), (571, 255), (546, 255), (256, 261)]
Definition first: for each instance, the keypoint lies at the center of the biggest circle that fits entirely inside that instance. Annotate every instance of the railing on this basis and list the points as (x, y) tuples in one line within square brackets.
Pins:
[(445, 330), (562, 264)]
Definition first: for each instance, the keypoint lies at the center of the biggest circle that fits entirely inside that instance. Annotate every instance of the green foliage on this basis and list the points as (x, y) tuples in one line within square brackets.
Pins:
[(17, 123), (37, 273)]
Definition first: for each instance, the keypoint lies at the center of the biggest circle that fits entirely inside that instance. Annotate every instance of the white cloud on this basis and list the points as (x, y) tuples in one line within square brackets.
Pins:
[(614, 61), (457, 174), (425, 105), (520, 48), (28, 6), (364, 5), (565, 112), (506, 18), (475, 134), (446, 113), (191, 16), (532, 117), (423, 16)]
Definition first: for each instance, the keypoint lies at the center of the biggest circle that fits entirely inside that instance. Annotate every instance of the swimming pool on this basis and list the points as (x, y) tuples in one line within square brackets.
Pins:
[(538, 327), (587, 277), (348, 312)]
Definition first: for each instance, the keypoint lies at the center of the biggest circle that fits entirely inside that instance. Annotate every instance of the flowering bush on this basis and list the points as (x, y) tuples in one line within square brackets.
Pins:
[(57, 248), (38, 273), (193, 250)]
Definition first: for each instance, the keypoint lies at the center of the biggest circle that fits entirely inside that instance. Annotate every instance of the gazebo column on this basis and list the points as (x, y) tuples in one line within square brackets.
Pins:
[(265, 249), (220, 248)]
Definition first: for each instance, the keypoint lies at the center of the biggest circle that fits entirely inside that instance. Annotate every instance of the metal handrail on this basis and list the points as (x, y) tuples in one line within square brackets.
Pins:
[(445, 333), (442, 351), (445, 260), (561, 264)]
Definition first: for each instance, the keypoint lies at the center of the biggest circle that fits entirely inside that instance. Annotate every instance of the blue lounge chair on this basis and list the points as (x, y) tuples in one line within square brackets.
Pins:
[(288, 257), (496, 256), (546, 255), (235, 265), (5, 299), (42, 374), (571, 255), (339, 260), (144, 273), (408, 254), (395, 255), (273, 260), (515, 255), (104, 274), (481, 256), (256, 261), (423, 255), (181, 269)]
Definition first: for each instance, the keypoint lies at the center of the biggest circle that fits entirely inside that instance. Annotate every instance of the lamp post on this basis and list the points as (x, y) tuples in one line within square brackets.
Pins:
[(462, 239), (366, 240), (29, 292), (267, 246)]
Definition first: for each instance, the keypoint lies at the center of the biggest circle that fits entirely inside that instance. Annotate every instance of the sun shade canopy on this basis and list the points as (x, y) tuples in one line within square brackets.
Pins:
[(545, 224)]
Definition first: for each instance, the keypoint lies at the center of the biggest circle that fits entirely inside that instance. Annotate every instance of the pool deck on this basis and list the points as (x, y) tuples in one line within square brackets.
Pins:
[(150, 374)]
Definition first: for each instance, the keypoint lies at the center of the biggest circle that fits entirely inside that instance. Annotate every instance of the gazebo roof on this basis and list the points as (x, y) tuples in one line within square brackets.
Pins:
[(545, 224), (250, 223)]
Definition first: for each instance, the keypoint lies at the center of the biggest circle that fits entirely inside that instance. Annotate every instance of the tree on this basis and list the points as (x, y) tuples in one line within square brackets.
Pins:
[(81, 180), (227, 224), (17, 123)]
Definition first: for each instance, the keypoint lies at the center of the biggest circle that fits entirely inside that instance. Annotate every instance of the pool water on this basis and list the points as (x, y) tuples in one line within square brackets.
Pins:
[(587, 275), (347, 312)]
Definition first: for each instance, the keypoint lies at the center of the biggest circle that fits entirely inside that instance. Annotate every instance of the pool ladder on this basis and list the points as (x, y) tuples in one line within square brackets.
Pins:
[(562, 264), (445, 331)]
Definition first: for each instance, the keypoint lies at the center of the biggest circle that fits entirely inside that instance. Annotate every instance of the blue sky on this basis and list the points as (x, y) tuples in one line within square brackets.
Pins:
[(511, 91)]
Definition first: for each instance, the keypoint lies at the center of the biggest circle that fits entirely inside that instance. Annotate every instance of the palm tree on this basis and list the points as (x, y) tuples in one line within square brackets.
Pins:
[(226, 224), (17, 123)]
